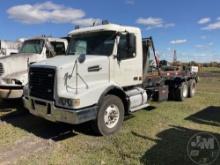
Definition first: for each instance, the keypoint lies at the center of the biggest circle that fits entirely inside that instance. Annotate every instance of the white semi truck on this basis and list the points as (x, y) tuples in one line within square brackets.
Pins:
[(14, 68), (108, 71), (9, 47)]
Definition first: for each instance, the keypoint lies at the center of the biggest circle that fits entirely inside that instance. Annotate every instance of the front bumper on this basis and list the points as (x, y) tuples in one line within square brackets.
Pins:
[(11, 92), (49, 111)]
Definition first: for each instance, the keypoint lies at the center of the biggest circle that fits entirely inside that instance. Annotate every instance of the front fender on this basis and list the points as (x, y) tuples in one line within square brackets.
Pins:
[(90, 96), (19, 78)]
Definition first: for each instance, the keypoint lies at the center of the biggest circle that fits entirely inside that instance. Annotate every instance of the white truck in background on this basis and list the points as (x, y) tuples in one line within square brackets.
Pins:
[(105, 74), (9, 47), (14, 68)]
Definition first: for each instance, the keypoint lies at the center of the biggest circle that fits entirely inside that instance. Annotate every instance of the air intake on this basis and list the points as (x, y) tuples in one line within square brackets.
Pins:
[(41, 83), (1, 69)]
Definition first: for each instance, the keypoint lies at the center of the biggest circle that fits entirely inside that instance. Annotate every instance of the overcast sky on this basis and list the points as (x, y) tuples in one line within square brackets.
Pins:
[(192, 27)]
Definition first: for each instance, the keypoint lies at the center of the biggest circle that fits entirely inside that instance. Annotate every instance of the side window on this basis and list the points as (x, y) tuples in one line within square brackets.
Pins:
[(59, 48), (126, 50)]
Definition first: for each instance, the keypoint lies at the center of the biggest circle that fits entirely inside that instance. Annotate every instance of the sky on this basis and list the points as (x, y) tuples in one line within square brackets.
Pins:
[(191, 27)]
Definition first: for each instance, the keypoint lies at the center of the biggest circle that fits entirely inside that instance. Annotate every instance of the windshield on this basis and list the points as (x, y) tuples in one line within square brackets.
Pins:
[(94, 43), (32, 46)]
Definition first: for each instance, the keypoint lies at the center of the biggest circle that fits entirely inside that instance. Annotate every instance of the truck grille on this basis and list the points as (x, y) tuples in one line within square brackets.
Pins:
[(41, 83), (1, 69)]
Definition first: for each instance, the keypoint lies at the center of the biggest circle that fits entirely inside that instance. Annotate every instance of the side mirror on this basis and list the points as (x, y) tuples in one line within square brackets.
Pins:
[(81, 58), (131, 43)]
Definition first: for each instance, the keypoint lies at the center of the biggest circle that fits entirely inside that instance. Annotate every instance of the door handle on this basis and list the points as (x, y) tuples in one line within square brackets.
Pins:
[(94, 68)]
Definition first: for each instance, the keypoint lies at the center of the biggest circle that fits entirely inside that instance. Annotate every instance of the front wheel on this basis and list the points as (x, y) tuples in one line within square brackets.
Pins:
[(110, 116)]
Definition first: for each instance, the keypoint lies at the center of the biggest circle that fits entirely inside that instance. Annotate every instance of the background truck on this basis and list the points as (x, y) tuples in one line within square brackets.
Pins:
[(109, 71), (14, 68), (9, 47)]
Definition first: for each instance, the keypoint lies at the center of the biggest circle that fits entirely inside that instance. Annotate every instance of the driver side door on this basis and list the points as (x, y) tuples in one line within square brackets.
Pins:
[(124, 66)]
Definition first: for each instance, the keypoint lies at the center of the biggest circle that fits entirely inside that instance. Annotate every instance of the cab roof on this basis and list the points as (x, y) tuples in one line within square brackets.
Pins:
[(48, 38), (106, 27)]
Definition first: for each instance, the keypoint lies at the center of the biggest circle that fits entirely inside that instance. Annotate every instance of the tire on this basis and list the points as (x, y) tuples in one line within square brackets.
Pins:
[(192, 88), (171, 95), (197, 78), (110, 116), (181, 92)]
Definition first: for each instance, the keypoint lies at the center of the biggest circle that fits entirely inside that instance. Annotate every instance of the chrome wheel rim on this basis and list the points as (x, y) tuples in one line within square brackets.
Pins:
[(193, 89), (185, 90), (111, 116)]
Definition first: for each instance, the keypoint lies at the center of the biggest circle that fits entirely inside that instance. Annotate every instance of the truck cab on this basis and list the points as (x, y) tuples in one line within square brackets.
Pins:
[(100, 79), (14, 68)]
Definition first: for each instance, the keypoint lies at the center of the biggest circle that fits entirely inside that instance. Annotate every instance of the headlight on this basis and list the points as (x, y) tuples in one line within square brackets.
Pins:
[(76, 102), (69, 102), (5, 81), (9, 81)]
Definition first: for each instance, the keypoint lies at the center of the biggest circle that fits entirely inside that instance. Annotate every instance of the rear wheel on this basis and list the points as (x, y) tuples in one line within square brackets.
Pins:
[(110, 116), (192, 88), (181, 92)]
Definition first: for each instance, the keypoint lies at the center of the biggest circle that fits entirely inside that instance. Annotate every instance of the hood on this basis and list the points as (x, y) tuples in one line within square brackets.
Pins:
[(15, 64), (94, 70), (69, 60)]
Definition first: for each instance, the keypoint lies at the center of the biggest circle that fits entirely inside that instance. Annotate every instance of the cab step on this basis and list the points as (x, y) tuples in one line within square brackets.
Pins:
[(139, 107)]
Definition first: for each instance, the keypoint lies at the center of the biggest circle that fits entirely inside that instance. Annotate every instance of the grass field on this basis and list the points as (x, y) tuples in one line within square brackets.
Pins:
[(157, 135)]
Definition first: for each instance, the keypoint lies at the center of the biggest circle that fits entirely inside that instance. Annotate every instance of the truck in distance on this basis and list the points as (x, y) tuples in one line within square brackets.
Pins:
[(14, 68), (109, 71), (9, 47)]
